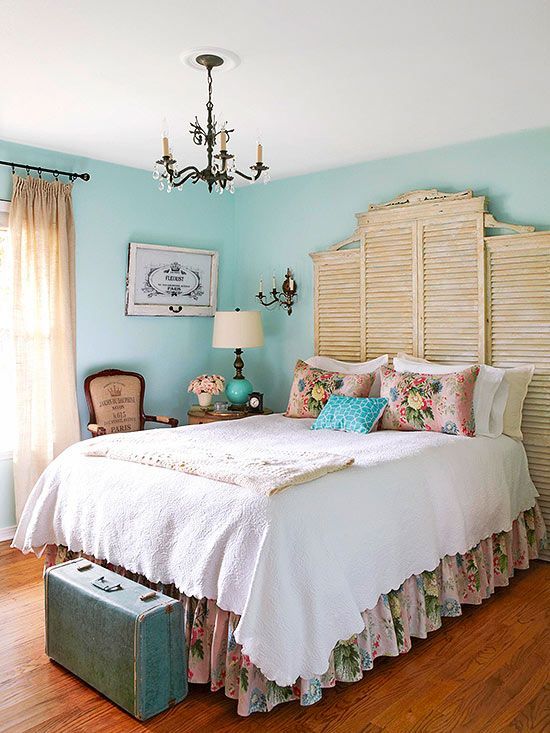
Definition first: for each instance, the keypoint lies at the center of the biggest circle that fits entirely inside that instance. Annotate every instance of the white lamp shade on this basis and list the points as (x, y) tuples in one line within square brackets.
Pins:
[(237, 330)]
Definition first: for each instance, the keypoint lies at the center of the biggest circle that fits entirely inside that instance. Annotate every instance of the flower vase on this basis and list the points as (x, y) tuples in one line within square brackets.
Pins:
[(205, 399)]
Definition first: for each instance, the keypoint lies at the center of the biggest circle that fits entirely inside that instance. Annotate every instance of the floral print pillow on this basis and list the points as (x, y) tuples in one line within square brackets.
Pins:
[(312, 387), (442, 403)]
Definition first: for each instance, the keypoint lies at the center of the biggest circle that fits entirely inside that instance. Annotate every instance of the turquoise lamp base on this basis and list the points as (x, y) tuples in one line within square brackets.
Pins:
[(237, 391)]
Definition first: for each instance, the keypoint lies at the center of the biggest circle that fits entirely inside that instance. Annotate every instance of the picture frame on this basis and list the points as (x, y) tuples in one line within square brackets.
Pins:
[(167, 280)]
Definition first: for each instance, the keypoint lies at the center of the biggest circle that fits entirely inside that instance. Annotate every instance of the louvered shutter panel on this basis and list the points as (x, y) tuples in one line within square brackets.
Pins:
[(451, 289), (518, 281), (389, 275), (338, 301)]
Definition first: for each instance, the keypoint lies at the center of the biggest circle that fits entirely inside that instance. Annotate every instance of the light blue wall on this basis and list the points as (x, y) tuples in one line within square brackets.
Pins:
[(260, 229), (119, 205), (278, 225), (7, 502)]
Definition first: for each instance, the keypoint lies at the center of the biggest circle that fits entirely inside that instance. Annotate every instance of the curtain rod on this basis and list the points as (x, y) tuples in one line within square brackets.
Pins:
[(40, 169)]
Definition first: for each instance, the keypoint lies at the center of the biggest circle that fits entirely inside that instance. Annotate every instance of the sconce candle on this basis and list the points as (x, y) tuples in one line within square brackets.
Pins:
[(285, 298)]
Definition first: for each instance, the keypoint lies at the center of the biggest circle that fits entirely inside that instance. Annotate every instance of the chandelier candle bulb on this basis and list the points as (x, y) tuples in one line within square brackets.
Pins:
[(259, 154), (273, 282), (261, 285), (165, 147), (223, 141)]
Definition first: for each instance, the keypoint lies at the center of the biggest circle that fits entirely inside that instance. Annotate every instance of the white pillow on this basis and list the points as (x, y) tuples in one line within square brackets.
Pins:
[(488, 416), (496, 421), (518, 380), (352, 367)]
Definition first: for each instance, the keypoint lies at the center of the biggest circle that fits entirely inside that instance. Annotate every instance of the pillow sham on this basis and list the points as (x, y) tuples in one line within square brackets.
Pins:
[(350, 414), (352, 367), (311, 389), (488, 412), (442, 403), (507, 406)]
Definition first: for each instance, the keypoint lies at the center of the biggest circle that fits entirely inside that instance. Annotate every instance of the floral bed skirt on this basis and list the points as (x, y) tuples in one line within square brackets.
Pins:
[(415, 609)]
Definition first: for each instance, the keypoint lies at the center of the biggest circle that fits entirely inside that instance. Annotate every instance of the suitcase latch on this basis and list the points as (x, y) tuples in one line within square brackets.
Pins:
[(102, 584)]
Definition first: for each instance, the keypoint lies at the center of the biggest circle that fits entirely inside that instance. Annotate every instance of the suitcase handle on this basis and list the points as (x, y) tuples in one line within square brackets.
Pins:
[(102, 584)]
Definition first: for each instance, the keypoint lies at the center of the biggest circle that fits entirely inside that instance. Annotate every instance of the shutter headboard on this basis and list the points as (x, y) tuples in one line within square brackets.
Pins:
[(420, 274)]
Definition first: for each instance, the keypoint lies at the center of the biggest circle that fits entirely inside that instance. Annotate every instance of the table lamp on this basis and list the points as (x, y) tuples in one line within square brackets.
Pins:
[(238, 330)]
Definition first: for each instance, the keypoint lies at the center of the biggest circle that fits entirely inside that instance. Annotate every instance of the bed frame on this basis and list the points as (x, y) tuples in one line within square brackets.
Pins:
[(423, 274)]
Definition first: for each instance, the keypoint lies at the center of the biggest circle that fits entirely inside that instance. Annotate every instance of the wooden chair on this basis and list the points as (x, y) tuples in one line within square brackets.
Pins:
[(115, 402)]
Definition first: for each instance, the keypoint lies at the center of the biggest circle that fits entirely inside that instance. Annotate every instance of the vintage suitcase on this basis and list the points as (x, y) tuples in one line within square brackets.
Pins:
[(118, 636)]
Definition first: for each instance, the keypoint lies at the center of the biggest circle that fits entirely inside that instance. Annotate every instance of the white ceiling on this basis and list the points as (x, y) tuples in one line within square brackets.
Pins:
[(327, 83)]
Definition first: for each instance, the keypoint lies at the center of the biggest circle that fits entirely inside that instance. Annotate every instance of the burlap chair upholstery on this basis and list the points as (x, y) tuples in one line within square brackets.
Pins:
[(115, 400)]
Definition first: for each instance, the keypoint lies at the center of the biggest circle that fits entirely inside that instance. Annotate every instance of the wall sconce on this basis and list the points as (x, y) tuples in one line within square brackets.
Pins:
[(285, 298)]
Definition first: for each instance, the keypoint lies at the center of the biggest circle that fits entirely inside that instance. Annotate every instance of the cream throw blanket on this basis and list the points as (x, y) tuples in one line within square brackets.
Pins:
[(262, 470)]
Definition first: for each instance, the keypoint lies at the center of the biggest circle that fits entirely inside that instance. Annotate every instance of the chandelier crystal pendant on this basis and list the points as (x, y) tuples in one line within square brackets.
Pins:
[(220, 170)]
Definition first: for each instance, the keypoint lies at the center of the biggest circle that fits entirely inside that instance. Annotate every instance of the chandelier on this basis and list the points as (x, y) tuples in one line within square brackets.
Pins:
[(220, 170)]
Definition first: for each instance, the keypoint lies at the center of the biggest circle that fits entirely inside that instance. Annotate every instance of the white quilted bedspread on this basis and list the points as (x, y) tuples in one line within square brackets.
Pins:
[(299, 566)]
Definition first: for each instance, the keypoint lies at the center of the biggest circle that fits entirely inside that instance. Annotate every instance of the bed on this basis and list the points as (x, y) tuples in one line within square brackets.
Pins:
[(354, 557), (287, 594)]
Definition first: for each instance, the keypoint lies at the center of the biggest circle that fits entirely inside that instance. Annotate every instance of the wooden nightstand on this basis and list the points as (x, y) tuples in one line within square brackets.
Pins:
[(197, 416)]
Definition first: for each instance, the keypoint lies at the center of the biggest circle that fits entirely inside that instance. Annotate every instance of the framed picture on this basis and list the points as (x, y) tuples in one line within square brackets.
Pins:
[(170, 281)]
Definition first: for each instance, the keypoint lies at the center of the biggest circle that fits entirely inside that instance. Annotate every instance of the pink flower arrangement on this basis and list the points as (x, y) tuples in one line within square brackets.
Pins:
[(207, 383)]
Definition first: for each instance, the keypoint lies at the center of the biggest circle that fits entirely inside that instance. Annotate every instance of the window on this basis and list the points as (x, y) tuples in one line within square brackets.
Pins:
[(7, 360)]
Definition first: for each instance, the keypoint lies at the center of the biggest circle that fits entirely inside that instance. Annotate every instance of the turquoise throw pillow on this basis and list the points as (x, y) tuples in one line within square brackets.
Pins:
[(351, 414)]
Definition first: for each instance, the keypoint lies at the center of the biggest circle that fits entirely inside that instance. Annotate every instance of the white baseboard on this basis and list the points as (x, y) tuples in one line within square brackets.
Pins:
[(7, 533)]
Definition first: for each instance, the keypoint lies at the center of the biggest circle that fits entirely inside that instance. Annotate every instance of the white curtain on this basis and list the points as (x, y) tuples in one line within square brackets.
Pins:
[(42, 239)]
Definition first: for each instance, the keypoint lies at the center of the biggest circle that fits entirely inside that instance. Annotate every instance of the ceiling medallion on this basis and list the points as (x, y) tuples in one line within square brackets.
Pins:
[(230, 59), (220, 170)]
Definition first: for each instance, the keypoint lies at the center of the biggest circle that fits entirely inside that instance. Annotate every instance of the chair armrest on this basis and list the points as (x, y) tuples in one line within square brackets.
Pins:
[(163, 419), (96, 430)]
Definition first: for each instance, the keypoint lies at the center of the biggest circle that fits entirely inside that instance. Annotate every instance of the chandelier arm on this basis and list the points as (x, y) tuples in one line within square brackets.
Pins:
[(259, 168), (193, 172), (244, 175), (177, 174)]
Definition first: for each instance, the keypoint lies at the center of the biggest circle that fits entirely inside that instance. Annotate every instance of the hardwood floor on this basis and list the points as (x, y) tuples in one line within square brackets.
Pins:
[(488, 670)]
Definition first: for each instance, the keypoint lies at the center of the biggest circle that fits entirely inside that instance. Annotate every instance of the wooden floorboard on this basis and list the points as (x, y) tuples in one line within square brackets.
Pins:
[(486, 671)]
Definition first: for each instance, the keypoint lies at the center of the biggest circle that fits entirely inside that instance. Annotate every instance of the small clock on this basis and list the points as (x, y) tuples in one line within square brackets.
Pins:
[(255, 402)]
